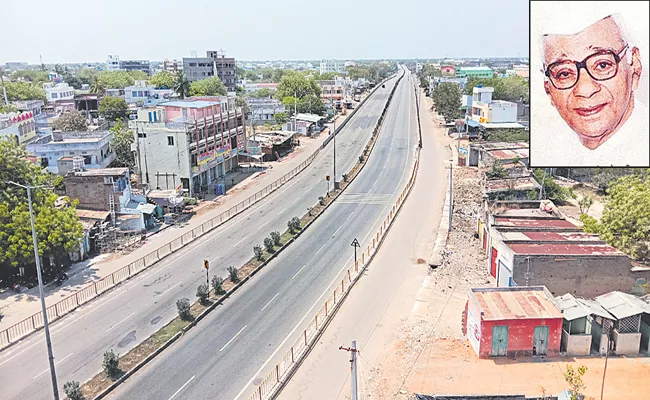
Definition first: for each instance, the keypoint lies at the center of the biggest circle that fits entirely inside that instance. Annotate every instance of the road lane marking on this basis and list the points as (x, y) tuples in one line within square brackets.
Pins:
[(337, 231), (132, 314), (298, 198), (351, 214), (182, 387), (233, 338), (267, 304), (294, 275), (260, 227), (165, 292), (321, 248), (55, 363), (239, 241), (283, 210)]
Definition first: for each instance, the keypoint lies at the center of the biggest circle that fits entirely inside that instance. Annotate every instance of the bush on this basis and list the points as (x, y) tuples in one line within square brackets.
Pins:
[(111, 364), (361, 159), (321, 200), (202, 292), (275, 235), (268, 244), (295, 221), (292, 230), (183, 306), (234, 274), (345, 177), (191, 201), (217, 285), (259, 253), (73, 391), (309, 209)]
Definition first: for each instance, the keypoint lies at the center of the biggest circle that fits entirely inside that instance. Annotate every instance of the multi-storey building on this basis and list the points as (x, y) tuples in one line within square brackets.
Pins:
[(215, 64), (21, 126), (332, 90), (136, 65), (172, 66), (331, 66), (58, 91), (195, 140), (477, 72), (263, 110), (113, 62), (145, 94)]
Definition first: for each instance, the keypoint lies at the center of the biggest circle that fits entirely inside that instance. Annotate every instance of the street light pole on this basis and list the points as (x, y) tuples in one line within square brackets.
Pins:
[(46, 326)]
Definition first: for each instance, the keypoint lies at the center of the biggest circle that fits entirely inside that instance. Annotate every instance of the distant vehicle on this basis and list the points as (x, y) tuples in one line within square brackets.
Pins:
[(357, 98), (383, 86)]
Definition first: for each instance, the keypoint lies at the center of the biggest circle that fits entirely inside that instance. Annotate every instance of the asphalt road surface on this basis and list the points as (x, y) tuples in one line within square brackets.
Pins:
[(235, 346), (129, 314)]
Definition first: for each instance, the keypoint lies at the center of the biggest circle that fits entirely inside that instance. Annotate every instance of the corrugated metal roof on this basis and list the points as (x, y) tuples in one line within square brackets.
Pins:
[(565, 249), (622, 305), (534, 222), (574, 308), (533, 302)]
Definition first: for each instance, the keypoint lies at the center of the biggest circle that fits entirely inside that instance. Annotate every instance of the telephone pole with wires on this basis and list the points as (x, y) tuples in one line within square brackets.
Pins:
[(353, 361)]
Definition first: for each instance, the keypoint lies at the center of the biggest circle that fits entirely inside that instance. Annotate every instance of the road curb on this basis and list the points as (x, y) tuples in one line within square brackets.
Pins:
[(443, 228)]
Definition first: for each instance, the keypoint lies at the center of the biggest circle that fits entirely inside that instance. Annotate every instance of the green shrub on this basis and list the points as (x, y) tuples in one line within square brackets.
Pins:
[(268, 244), (183, 307), (73, 391), (111, 364), (275, 235), (295, 221), (361, 159), (345, 177), (217, 285), (321, 200), (202, 292), (259, 253), (234, 274)]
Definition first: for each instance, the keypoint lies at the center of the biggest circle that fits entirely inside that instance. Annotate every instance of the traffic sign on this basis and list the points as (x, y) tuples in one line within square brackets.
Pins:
[(206, 265), (327, 178), (355, 243)]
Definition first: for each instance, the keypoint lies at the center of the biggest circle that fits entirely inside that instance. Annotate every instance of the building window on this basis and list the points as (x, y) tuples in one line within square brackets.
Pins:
[(170, 140), (55, 96), (140, 94), (134, 94)]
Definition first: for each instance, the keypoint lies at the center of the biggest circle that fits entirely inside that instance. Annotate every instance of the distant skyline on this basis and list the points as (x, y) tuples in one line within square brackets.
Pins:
[(74, 32)]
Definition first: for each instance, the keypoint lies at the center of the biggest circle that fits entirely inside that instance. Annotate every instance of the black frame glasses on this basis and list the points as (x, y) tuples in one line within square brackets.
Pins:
[(583, 64)]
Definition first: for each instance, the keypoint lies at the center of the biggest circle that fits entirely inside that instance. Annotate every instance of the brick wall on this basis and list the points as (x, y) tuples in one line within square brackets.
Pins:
[(581, 276), (91, 191), (520, 336)]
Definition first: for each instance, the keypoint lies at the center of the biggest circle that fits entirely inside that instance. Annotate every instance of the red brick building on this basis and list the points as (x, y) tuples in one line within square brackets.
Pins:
[(513, 322)]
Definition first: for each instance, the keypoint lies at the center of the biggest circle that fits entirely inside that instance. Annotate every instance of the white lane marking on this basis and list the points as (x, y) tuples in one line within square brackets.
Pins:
[(283, 210), (182, 387), (377, 180), (165, 292), (55, 363), (298, 198), (132, 314), (260, 227), (351, 214), (337, 231), (267, 304), (294, 275), (321, 248), (233, 338), (240, 241)]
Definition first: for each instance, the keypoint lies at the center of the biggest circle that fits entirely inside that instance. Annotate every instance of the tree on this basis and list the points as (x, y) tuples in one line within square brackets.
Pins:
[(511, 88), (625, 223), (8, 108), (121, 145), (281, 117), (497, 171), (72, 80), (259, 253), (183, 308), (202, 292), (551, 189), (269, 244), (117, 79), (58, 230), (111, 364), (163, 80), (28, 75), (275, 235), (86, 75), (574, 379), (585, 204), (72, 389), (113, 108), (24, 91), (265, 92), (217, 285), (506, 135), (70, 122), (234, 274), (295, 84), (311, 104), (446, 99), (211, 86), (182, 85)]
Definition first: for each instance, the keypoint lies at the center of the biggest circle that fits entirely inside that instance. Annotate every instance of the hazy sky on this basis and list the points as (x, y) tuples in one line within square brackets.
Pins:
[(82, 30)]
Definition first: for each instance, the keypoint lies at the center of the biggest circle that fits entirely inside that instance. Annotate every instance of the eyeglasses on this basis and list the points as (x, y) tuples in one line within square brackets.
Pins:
[(600, 66)]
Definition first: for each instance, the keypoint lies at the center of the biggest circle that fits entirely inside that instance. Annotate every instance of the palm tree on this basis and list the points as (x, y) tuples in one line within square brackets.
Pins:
[(182, 85), (95, 86)]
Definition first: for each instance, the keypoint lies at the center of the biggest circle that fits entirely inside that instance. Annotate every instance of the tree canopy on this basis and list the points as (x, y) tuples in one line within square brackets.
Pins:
[(116, 79), (296, 84), (86, 75), (113, 108), (24, 91), (163, 80), (211, 86), (446, 100), (551, 189), (182, 85), (511, 88), (264, 92), (70, 122), (57, 228), (29, 75), (121, 146), (625, 223)]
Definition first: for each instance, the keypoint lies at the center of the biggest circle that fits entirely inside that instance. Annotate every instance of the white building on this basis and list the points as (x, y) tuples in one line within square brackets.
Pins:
[(263, 110), (19, 125), (60, 147), (58, 91), (113, 62), (331, 66), (488, 113), (145, 94)]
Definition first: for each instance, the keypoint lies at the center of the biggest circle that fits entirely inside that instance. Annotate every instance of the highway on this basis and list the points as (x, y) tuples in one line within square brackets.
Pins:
[(235, 346), (127, 315)]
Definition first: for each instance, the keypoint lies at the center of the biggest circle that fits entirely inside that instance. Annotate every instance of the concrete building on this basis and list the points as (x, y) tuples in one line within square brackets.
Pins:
[(586, 326), (20, 126), (214, 64), (145, 94), (195, 140), (58, 148), (254, 87), (263, 110), (113, 62), (491, 114), (476, 72), (631, 331), (332, 90), (448, 70), (136, 65), (512, 322), (36, 107), (58, 91), (484, 155), (331, 66), (172, 66)]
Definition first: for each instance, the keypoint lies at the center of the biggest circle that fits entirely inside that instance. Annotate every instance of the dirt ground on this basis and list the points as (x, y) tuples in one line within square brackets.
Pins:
[(429, 354)]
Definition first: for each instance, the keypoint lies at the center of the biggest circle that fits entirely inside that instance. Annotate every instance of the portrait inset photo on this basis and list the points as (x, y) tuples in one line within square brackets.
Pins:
[(589, 84)]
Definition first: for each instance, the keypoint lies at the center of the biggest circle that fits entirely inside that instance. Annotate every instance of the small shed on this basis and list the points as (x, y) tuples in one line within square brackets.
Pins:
[(631, 333), (585, 327), (513, 322)]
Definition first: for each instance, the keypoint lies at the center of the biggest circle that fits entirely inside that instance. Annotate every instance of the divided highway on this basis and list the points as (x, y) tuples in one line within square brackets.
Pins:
[(234, 347), (127, 315)]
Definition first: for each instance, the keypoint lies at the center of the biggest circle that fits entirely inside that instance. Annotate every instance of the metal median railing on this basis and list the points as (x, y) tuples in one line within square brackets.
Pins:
[(283, 370), (25, 327)]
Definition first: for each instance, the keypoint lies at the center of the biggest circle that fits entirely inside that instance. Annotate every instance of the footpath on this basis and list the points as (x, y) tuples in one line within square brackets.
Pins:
[(15, 307)]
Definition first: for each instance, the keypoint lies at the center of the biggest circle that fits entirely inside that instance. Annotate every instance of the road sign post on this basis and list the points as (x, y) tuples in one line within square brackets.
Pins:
[(206, 265), (327, 178), (355, 244)]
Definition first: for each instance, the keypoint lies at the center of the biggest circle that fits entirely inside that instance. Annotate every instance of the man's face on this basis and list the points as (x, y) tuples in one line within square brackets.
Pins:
[(592, 108)]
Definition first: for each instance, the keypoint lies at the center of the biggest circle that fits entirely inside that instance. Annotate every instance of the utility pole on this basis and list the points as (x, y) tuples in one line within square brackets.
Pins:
[(451, 193), (353, 361), (46, 325), (336, 186), (4, 91)]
